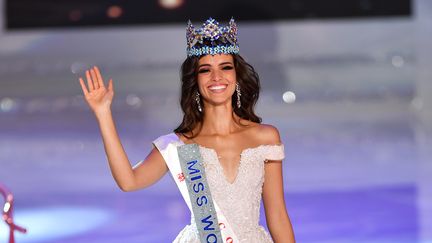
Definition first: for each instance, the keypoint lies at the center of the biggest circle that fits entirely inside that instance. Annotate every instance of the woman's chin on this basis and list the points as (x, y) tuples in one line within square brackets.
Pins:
[(218, 102)]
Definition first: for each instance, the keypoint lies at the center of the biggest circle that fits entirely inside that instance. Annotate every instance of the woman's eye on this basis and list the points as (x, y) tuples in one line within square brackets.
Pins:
[(227, 68), (203, 70)]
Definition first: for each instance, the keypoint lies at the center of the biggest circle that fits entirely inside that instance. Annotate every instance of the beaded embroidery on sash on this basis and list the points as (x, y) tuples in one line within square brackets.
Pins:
[(202, 202)]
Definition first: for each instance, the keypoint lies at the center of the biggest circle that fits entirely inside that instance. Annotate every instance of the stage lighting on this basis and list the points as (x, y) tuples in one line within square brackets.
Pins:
[(289, 97), (171, 4), (114, 11), (397, 61), (75, 15), (7, 104)]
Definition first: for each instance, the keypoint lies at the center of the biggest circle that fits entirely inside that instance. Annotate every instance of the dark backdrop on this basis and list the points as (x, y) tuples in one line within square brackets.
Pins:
[(60, 13)]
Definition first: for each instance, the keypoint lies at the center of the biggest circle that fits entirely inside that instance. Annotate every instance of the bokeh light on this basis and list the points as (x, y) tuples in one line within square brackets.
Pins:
[(171, 4), (7, 104), (114, 11), (289, 97), (397, 61)]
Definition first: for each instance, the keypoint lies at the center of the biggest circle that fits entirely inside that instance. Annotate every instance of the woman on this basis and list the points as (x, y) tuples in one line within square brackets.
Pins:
[(219, 92)]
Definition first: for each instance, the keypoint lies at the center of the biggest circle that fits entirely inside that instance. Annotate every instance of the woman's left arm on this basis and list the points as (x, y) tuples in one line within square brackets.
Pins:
[(277, 218)]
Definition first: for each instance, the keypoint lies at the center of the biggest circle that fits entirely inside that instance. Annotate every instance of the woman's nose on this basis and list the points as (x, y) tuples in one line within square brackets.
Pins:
[(216, 75)]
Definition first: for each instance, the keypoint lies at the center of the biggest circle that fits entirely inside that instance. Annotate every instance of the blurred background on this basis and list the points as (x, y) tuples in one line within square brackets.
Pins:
[(346, 82)]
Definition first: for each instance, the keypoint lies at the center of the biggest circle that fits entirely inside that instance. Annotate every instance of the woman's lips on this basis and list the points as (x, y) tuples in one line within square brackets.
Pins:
[(219, 88)]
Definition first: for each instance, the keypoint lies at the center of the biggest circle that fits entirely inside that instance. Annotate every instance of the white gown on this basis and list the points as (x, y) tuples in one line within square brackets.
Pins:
[(239, 201)]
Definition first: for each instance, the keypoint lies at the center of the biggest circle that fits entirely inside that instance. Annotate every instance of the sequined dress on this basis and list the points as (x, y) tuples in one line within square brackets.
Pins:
[(239, 200)]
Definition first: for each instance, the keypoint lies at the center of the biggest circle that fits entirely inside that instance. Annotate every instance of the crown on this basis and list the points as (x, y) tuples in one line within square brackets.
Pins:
[(212, 38)]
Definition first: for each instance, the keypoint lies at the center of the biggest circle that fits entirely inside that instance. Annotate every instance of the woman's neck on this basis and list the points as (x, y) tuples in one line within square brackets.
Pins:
[(219, 120)]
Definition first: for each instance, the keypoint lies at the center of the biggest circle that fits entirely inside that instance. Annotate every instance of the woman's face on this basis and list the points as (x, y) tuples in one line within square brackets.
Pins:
[(216, 78)]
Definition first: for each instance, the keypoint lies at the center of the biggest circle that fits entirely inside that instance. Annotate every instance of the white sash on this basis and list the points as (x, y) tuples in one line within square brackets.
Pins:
[(167, 146)]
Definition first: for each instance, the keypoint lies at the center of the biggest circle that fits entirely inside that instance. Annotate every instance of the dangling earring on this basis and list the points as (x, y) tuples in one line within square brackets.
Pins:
[(238, 95), (197, 99)]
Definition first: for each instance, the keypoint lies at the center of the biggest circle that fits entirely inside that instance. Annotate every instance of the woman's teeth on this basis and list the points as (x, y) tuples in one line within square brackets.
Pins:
[(217, 87)]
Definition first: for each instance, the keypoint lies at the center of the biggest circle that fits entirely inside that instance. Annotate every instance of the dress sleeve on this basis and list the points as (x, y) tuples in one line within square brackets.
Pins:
[(162, 142), (274, 152)]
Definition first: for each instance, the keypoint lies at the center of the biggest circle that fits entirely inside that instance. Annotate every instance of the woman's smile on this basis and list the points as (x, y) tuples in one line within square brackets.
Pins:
[(217, 88)]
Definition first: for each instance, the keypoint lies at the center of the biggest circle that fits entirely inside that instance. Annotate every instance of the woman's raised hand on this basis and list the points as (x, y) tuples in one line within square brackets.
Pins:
[(97, 96)]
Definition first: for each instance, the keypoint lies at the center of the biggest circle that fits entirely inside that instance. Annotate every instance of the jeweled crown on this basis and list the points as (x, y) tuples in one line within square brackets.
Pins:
[(212, 38)]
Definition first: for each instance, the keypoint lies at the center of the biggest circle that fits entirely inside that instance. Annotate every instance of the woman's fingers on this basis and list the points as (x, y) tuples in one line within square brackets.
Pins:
[(94, 79), (89, 81), (110, 85), (99, 77), (83, 86)]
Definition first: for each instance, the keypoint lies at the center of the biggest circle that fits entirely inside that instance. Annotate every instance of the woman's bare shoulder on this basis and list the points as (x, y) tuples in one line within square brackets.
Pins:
[(264, 134)]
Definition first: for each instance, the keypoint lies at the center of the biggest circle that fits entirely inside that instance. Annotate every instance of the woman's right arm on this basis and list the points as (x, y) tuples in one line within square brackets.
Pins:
[(127, 178)]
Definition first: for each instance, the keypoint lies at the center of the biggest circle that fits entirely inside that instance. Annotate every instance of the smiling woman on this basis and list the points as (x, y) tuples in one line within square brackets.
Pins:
[(222, 73), (220, 155)]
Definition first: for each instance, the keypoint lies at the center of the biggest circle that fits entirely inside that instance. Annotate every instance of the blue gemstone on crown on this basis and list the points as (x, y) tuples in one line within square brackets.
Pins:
[(212, 38)]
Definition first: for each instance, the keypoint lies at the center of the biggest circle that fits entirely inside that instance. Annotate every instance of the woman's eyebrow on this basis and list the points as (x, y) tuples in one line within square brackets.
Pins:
[(205, 64), (220, 64), (224, 63)]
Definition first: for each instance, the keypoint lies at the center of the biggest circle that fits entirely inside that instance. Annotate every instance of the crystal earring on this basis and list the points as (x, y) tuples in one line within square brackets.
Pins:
[(238, 95), (198, 100)]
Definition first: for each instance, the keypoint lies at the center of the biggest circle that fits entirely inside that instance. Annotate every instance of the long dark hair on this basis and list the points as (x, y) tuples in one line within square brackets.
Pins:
[(247, 79)]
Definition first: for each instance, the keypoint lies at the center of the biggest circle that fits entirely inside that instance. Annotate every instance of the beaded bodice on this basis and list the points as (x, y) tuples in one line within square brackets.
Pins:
[(240, 200)]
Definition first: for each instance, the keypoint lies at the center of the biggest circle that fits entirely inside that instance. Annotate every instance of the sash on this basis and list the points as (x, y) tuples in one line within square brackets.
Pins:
[(177, 154)]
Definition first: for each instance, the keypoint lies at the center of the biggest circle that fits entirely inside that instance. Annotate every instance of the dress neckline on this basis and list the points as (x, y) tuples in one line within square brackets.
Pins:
[(216, 157)]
